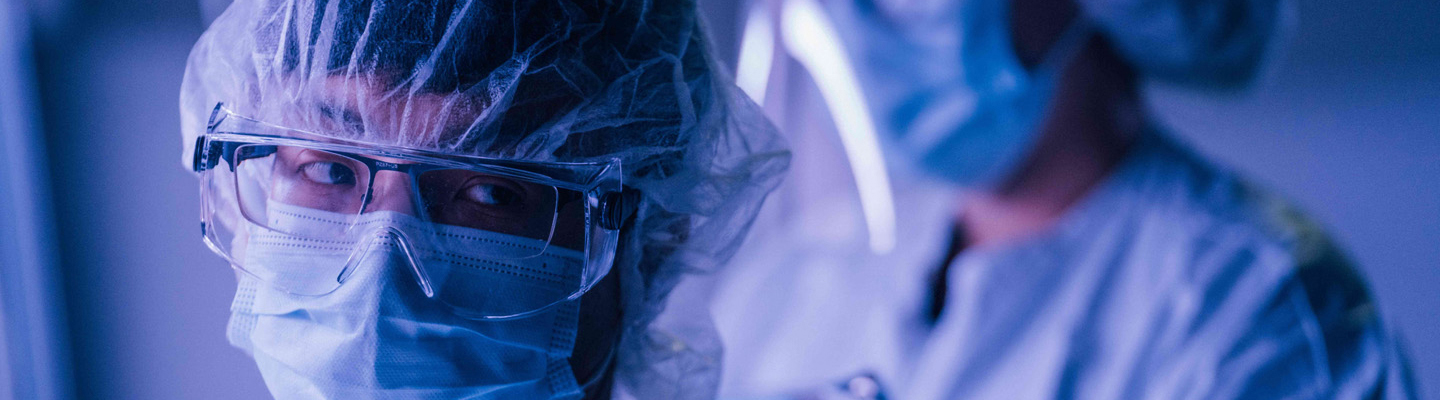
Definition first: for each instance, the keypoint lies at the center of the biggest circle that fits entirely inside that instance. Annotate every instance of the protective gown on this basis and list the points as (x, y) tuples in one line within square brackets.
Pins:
[(1173, 280)]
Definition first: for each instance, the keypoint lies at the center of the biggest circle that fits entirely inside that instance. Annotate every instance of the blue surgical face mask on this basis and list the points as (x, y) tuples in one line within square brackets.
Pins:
[(948, 92), (379, 336)]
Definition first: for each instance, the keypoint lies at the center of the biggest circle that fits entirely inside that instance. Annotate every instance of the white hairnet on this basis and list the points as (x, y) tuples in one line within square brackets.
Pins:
[(544, 80)]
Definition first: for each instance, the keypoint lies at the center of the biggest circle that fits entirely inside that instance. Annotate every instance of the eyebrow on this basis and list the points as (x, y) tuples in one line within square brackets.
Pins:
[(349, 117), (353, 122)]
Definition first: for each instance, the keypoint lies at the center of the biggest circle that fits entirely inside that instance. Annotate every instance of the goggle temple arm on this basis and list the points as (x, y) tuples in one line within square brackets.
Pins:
[(203, 158), (207, 156), (618, 207)]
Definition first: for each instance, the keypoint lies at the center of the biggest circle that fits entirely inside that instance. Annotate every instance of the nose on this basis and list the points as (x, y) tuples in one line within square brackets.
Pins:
[(392, 191)]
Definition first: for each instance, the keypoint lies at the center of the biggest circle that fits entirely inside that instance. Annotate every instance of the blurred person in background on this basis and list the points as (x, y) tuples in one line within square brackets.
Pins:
[(471, 199), (1050, 240)]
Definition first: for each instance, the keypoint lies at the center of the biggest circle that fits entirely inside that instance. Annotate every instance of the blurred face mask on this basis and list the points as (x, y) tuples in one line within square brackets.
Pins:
[(946, 87)]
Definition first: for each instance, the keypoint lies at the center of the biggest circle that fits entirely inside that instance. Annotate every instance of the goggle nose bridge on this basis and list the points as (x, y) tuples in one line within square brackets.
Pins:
[(389, 236), (410, 170)]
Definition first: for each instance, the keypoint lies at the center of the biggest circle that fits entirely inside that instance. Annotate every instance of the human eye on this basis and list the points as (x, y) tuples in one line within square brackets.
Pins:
[(492, 194), (327, 173)]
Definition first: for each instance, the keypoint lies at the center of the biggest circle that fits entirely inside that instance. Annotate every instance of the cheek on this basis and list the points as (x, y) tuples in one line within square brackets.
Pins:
[(599, 327), (238, 246), (600, 307), (570, 226), (239, 242)]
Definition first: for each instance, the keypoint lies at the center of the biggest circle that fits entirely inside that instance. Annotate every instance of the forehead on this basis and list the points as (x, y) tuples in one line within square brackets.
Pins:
[(364, 108)]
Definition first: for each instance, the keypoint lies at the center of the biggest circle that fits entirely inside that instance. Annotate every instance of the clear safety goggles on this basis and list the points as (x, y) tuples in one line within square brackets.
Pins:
[(333, 195)]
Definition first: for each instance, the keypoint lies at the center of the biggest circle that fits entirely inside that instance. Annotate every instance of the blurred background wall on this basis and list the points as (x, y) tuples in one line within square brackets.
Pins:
[(1349, 127), (147, 303)]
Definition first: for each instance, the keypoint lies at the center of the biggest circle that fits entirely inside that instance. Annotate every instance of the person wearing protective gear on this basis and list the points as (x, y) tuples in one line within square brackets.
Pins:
[(1051, 240), (472, 199)]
